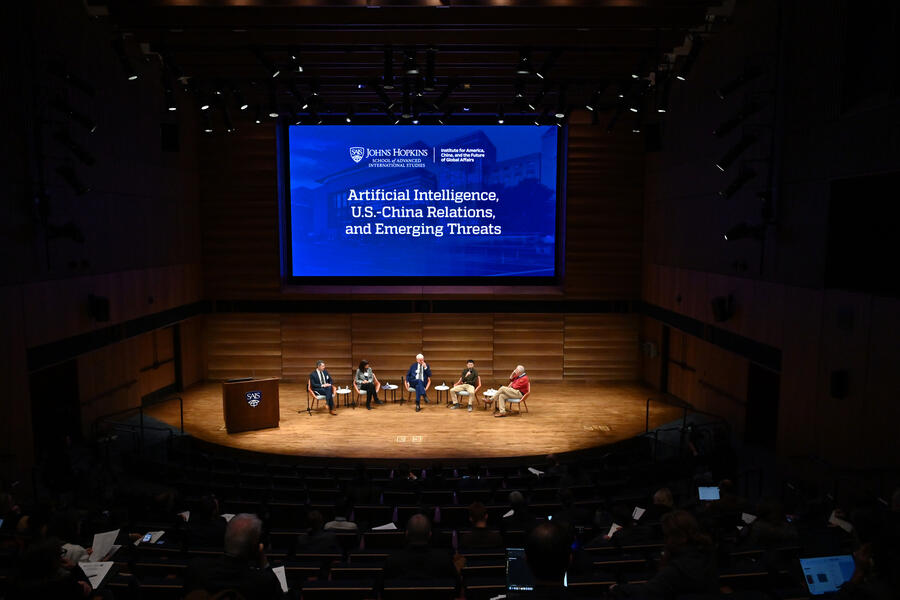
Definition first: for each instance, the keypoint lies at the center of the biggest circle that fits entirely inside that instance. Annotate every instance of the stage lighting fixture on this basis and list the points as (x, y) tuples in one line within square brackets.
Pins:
[(270, 67), (430, 56), (743, 230), (57, 69), (407, 104), (258, 118), (593, 103), (314, 89), (204, 101), (74, 147), (349, 117), (171, 105), (69, 176), (239, 100), (127, 67), (662, 95), (750, 109), (732, 188), (273, 104), (696, 45), (409, 63), (735, 151), (226, 118), (207, 123), (296, 67), (500, 116), (750, 73), (519, 86), (60, 104), (388, 77), (524, 65), (638, 122), (561, 103)]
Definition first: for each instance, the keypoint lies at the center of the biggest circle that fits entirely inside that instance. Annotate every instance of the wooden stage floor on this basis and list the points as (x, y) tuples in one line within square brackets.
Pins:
[(562, 418)]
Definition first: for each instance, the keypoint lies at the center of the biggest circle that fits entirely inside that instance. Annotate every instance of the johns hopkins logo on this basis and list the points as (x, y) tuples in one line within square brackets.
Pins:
[(253, 398), (357, 153)]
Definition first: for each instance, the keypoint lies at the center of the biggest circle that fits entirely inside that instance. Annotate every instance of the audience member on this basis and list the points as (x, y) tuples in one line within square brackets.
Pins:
[(663, 502), (243, 568), (43, 574), (316, 540), (548, 550), (688, 565), (342, 522), (206, 528), (520, 519), (569, 512), (771, 529), (480, 536), (418, 560)]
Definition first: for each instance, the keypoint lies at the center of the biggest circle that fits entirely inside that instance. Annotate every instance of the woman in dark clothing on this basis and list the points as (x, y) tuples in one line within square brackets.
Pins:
[(688, 564)]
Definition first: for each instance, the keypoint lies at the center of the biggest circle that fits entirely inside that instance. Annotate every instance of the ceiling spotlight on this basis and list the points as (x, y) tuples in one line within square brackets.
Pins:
[(524, 65), (229, 126), (409, 63), (74, 147), (71, 178), (388, 77), (750, 73), (273, 104), (171, 106), (735, 151), (258, 118), (127, 67), (726, 127), (466, 108), (207, 124), (270, 67), (732, 188), (296, 67), (561, 103), (742, 231), (430, 56), (239, 100), (349, 117), (500, 116), (519, 86), (696, 44), (60, 104)]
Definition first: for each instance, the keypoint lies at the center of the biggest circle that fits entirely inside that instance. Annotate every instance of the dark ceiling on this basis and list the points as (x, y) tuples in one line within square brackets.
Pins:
[(579, 51)]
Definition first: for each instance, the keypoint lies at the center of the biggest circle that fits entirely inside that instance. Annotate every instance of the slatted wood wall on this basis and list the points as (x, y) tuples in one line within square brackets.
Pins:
[(553, 347), (243, 345)]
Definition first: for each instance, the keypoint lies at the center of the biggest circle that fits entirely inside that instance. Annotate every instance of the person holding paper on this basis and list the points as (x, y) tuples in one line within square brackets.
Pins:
[(367, 382), (518, 387), (320, 383), (418, 378), (469, 381), (243, 567)]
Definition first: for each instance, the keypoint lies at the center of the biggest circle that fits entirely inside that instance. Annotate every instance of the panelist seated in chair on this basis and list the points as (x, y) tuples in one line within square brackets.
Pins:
[(321, 384), (469, 381), (418, 378), (366, 381), (518, 387)]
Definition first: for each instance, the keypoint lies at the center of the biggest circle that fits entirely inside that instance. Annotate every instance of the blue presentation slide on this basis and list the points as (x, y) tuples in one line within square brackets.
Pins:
[(423, 201)]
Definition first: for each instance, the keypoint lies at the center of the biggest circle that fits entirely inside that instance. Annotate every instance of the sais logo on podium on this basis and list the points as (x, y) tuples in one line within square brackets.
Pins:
[(254, 398), (357, 153)]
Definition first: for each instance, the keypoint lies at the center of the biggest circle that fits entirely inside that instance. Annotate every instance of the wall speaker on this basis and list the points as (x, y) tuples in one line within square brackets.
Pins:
[(723, 307), (98, 308), (840, 384)]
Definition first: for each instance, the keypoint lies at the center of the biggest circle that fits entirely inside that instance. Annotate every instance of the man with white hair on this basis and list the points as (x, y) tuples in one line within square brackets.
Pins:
[(419, 378), (243, 567), (518, 387)]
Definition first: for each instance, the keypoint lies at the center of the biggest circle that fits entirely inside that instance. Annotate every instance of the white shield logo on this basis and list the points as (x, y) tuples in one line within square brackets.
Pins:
[(357, 153)]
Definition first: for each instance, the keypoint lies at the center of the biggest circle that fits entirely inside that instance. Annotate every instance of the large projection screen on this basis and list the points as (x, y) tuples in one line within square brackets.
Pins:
[(441, 204)]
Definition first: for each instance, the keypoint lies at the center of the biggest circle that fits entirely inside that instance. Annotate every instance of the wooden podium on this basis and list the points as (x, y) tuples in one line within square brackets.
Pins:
[(250, 404)]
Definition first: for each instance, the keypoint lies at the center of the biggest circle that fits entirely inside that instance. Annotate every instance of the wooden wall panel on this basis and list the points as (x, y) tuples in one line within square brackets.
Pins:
[(108, 380), (192, 351), (449, 340), (16, 440), (601, 348), (651, 366), (156, 348), (532, 340), (389, 342), (308, 338), (243, 345)]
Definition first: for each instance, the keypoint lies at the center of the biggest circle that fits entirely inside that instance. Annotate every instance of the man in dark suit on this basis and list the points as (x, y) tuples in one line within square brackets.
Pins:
[(419, 378), (243, 567), (419, 560), (321, 383)]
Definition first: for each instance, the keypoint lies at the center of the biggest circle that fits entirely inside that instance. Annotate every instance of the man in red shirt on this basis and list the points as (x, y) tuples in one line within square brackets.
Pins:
[(518, 387)]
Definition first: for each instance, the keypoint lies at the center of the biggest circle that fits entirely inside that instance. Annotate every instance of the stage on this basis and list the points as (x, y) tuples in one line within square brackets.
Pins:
[(562, 417)]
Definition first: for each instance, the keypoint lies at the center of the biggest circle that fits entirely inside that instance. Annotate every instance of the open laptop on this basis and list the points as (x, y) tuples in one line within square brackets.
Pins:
[(825, 574), (708, 493), (518, 575)]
